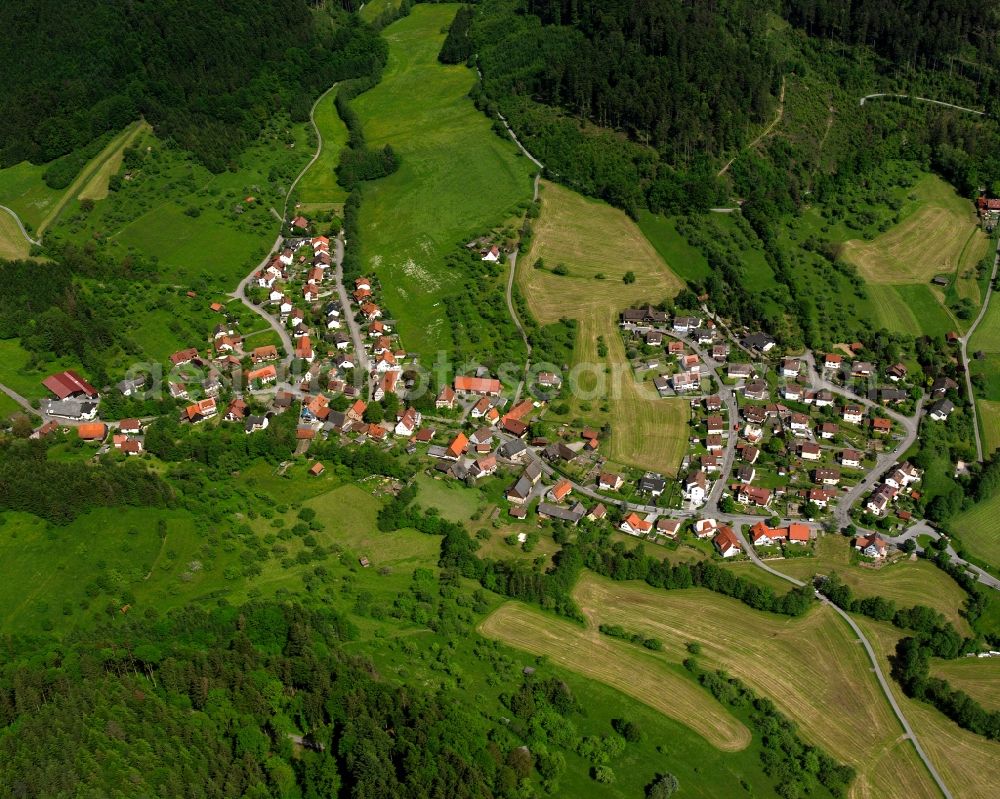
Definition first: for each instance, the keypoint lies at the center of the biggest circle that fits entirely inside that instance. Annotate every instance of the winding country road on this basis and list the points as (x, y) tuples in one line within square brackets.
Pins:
[(20, 224), (920, 99), (964, 342), (876, 667)]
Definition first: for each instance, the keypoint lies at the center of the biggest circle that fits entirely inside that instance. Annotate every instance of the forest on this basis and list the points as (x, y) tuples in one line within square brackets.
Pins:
[(256, 701), (205, 75)]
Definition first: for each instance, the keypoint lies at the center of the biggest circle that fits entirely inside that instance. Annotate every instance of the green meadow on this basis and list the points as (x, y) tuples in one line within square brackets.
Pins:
[(23, 190), (457, 178), (318, 186), (203, 230)]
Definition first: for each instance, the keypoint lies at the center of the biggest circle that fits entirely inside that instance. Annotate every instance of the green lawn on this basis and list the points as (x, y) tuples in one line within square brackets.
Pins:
[(457, 178), (319, 184), (22, 188), (686, 260), (911, 309), (979, 530)]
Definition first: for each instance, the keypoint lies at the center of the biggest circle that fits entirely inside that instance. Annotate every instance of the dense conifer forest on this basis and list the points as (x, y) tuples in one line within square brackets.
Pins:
[(203, 74)]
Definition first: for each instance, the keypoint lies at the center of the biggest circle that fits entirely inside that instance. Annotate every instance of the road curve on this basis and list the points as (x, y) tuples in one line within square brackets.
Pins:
[(964, 341), (20, 224), (241, 295), (876, 667), (922, 100)]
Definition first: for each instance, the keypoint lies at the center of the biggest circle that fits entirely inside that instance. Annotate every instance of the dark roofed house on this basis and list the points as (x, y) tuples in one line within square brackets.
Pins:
[(759, 342), (652, 483)]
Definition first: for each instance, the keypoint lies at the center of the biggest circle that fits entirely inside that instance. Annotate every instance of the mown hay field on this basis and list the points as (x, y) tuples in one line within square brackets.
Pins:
[(591, 238)]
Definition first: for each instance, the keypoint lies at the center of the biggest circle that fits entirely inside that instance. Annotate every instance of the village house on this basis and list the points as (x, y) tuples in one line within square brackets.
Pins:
[(750, 454), (759, 342), (790, 367), (92, 431), (850, 458), (720, 352), (739, 371), (873, 546), (705, 528), (514, 450), (598, 512), (685, 381), (713, 403), (896, 372), (520, 492), (408, 422), (799, 424), (828, 430), (941, 410), (261, 354), (668, 527), (484, 466), (652, 483), (755, 390), (201, 410), (560, 490), (262, 377), (457, 447), (832, 361), (633, 524), (853, 414), (751, 495), (862, 369), (477, 385), (809, 451), (607, 481), (696, 488), (183, 357), (727, 543), (130, 386), (828, 477), (881, 426)]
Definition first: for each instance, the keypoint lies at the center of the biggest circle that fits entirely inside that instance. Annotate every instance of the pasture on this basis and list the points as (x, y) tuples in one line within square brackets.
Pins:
[(625, 667), (590, 238), (989, 423), (457, 178), (811, 667), (939, 235), (911, 309), (979, 531), (13, 244), (23, 190), (319, 185), (906, 583), (17, 373), (964, 760)]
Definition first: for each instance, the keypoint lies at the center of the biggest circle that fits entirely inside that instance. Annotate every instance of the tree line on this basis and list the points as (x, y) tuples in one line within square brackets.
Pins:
[(59, 491)]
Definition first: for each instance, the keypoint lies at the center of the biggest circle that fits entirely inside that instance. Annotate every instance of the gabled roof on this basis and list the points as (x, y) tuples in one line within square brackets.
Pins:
[(66, 384)]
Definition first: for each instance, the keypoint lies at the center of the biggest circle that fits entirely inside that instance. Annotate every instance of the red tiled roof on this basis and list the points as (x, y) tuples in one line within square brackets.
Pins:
[(66, 384)]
